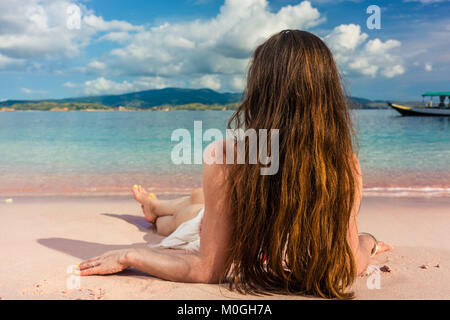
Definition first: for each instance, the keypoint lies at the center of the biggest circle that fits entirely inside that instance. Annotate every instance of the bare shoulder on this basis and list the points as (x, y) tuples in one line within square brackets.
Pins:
[(216, 152), (214, 163)]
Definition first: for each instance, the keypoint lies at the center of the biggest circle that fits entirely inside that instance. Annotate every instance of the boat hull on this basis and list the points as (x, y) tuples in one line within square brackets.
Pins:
[(421, 112)]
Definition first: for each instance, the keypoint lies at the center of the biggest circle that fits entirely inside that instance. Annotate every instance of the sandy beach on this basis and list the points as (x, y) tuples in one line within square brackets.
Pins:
[(41, 237)]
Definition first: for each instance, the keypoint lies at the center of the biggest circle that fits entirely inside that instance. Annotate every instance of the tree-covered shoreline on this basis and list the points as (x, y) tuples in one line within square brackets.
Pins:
[(167, 99), (72, 106)]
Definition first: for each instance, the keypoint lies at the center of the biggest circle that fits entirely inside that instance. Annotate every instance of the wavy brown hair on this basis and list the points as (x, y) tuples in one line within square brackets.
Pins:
[(297, 220)]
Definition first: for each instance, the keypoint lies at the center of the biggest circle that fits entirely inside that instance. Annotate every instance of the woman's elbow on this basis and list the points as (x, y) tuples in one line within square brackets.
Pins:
[(361, 263), (207, 273), (207, 277)]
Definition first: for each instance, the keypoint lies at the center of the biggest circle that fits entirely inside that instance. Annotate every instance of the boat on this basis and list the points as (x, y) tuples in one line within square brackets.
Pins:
[(427, 109)]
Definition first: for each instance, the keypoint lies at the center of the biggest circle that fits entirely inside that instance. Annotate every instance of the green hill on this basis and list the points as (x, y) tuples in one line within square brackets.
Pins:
[(145, 99), (158, 99)]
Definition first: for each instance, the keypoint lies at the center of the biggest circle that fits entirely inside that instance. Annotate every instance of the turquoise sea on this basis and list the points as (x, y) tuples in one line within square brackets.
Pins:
[(105, 153)]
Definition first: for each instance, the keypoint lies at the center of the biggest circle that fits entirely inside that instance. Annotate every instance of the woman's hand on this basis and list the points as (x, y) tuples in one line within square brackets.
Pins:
[(108, 263)]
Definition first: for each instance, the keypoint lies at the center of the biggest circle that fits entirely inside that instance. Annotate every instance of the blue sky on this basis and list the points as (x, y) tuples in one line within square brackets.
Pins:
[(112, 46)]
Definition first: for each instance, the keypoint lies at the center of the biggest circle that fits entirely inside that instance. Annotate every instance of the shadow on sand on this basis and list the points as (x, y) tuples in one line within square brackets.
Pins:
[(86, 249)]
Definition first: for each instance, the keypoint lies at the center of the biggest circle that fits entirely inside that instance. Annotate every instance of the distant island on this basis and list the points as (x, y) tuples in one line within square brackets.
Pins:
[(152, 100)]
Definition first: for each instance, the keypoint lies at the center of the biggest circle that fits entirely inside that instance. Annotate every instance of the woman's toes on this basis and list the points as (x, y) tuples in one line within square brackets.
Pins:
[(134, 190), (147, 201), (139, 194)]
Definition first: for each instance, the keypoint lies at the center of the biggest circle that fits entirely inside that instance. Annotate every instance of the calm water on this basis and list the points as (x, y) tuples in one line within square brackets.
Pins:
[(107, 152)]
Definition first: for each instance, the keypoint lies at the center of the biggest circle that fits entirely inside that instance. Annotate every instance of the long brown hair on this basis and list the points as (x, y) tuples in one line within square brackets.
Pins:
[(297, 220)]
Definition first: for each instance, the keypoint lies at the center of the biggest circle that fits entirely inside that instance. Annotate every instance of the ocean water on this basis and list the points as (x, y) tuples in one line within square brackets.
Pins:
[(105, 153)]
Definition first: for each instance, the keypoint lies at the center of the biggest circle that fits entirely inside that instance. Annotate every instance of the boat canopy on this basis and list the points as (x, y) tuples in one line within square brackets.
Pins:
[(436, 94)]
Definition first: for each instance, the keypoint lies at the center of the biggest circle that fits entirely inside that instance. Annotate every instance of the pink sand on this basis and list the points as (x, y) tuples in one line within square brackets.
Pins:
[(40, 238)]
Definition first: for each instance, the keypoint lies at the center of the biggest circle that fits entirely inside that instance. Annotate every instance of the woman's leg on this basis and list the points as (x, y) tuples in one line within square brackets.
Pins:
[(170, 207), (165, 225), (154, 208)]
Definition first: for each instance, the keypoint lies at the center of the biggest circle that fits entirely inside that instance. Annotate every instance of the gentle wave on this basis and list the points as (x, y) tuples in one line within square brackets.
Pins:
[(173, 191), (407, 191)]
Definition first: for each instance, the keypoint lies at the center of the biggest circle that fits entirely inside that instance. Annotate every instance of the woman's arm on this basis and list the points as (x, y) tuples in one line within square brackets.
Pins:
[(175, 266), (205, 266), (361, 245)]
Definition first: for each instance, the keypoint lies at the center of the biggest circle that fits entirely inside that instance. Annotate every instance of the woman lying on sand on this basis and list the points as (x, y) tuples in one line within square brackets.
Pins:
[(294, 232)]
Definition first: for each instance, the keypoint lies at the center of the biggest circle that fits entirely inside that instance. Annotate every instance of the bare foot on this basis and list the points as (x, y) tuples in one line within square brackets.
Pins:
[(147, 201)]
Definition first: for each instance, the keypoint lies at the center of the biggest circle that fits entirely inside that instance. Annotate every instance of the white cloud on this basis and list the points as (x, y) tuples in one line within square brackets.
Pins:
[(238, 83), (26, 90), (379, 47), (211, 53), (7, 62), (143, 83), (355, 56), (117, 36), (396, 70), (105, 86), (335, 1), (428, 67), (70, 85), (32, 91), (32, 29), (346, 37), (215, 53), (101, 25), (426, 1), (221, 45), (102, 85), (97, 65), (207, 81)]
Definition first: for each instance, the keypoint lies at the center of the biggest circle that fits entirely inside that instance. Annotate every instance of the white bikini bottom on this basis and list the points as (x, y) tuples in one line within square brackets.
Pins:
[(186, 236)]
